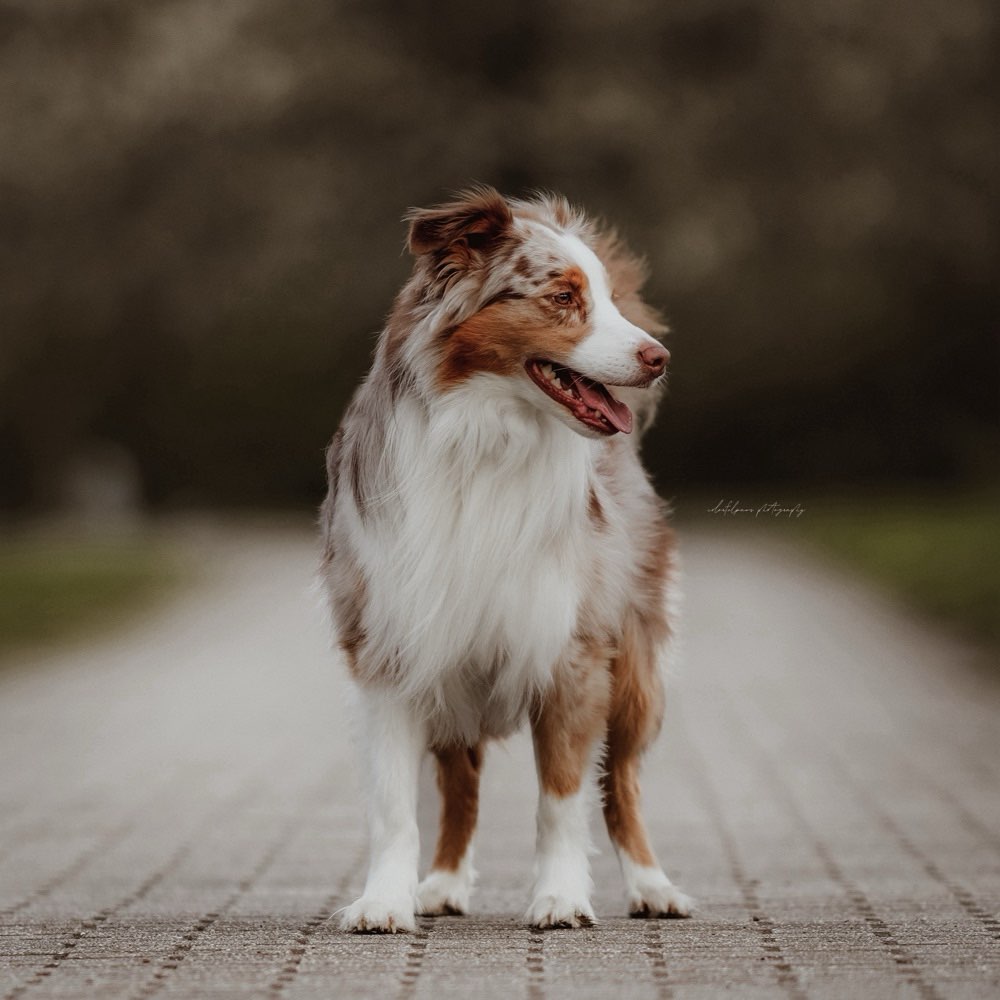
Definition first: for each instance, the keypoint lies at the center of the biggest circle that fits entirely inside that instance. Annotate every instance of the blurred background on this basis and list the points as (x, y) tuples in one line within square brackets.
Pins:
[(200, 237)]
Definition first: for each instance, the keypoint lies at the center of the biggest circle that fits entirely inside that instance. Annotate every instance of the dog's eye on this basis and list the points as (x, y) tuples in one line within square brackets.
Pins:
[(563, 298)]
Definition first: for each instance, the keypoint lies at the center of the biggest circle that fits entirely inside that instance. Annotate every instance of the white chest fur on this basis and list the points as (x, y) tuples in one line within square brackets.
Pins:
[(477, 556)]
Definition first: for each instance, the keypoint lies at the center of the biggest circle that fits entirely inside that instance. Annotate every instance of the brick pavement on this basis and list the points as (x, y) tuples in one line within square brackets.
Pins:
[(179, 818)]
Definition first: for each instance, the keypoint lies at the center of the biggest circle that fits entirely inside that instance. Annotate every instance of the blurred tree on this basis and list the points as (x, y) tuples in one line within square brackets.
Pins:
[(199, 230)]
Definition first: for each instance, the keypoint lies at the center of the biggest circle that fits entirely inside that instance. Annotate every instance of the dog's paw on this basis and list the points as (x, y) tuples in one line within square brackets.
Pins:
[(370, 915), (443, 894), (652, 894), (548, 911)]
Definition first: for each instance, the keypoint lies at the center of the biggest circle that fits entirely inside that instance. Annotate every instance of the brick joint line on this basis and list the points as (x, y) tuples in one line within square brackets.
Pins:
[(762, 924), (414, 961), (658, 961), (966, 899), (534, 961), (91, 923), (904, 960), (186, 943), (297, 952)]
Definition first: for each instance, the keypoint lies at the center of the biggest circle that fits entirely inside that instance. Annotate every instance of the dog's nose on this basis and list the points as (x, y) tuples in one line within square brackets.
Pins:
[(654, 358)]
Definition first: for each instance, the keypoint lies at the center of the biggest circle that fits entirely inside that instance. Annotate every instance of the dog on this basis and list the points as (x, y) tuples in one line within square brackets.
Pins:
[(495, 553)]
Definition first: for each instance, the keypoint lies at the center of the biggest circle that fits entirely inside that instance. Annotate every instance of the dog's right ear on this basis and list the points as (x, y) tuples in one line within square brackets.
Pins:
[(477, 220)]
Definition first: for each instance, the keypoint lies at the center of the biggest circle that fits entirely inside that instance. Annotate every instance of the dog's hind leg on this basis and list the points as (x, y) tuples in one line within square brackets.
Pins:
[(633, 722), (447, 887), (567, 729), (393, 741)]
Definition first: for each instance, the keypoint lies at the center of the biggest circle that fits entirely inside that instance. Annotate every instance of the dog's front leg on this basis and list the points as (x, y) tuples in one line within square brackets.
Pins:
[(392, 742), (567, 732)]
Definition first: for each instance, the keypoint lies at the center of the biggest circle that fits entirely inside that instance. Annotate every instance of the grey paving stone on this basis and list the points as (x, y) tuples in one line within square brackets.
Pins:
[(179, 815)]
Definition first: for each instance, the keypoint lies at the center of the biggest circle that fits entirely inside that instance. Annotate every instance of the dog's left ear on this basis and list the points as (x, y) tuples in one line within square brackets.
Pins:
[(477, 219)]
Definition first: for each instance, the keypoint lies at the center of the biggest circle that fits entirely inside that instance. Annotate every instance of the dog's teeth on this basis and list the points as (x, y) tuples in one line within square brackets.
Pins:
[(547, 371)]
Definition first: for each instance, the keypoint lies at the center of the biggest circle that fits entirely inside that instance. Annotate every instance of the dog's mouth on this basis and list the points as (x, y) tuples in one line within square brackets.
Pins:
[(589, 401)]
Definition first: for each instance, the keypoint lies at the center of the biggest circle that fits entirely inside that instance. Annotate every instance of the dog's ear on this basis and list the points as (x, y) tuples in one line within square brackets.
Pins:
[(477, 219)]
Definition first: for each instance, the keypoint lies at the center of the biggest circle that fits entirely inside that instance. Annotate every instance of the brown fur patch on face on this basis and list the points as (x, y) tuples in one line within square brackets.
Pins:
[(513, 327), (569, 718), (523, 267), (571, 282), (458, 769)]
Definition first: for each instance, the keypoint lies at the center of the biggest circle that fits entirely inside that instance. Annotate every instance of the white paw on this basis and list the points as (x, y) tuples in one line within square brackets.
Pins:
[(443, 893), (652, 894), (558, 911), (370, 915)]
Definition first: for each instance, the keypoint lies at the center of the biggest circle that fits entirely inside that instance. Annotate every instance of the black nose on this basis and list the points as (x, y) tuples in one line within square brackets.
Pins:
[(654, 358)]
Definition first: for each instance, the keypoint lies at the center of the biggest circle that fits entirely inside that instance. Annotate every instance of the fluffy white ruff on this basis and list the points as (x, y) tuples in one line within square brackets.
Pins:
[(651, 894), (469, 582), (447, 893)]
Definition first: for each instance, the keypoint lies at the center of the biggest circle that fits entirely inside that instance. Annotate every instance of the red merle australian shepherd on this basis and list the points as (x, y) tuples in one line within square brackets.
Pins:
[(494, 552)]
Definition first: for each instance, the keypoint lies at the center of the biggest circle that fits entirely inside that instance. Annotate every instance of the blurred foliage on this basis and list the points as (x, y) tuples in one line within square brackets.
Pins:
[(52, 586), (942, 555), (199, 230)]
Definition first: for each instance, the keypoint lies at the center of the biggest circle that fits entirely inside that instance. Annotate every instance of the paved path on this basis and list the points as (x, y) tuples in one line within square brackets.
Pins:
[(178, 814)]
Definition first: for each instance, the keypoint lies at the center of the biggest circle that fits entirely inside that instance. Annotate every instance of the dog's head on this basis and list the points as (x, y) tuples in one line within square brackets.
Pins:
[(531, 291)]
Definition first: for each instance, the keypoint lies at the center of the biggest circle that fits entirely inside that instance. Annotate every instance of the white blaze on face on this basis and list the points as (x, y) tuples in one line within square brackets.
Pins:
[(609, 353)]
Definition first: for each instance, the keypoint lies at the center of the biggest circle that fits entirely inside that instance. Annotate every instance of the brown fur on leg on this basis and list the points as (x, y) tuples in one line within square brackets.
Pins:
[(634, 720), (569, 718), (458, 770)]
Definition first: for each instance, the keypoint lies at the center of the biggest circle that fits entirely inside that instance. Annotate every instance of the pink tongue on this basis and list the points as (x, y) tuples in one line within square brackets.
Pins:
[(598, 398)]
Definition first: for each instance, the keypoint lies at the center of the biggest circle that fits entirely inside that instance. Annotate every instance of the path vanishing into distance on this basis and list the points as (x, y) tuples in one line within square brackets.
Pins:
[(179, 815)]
